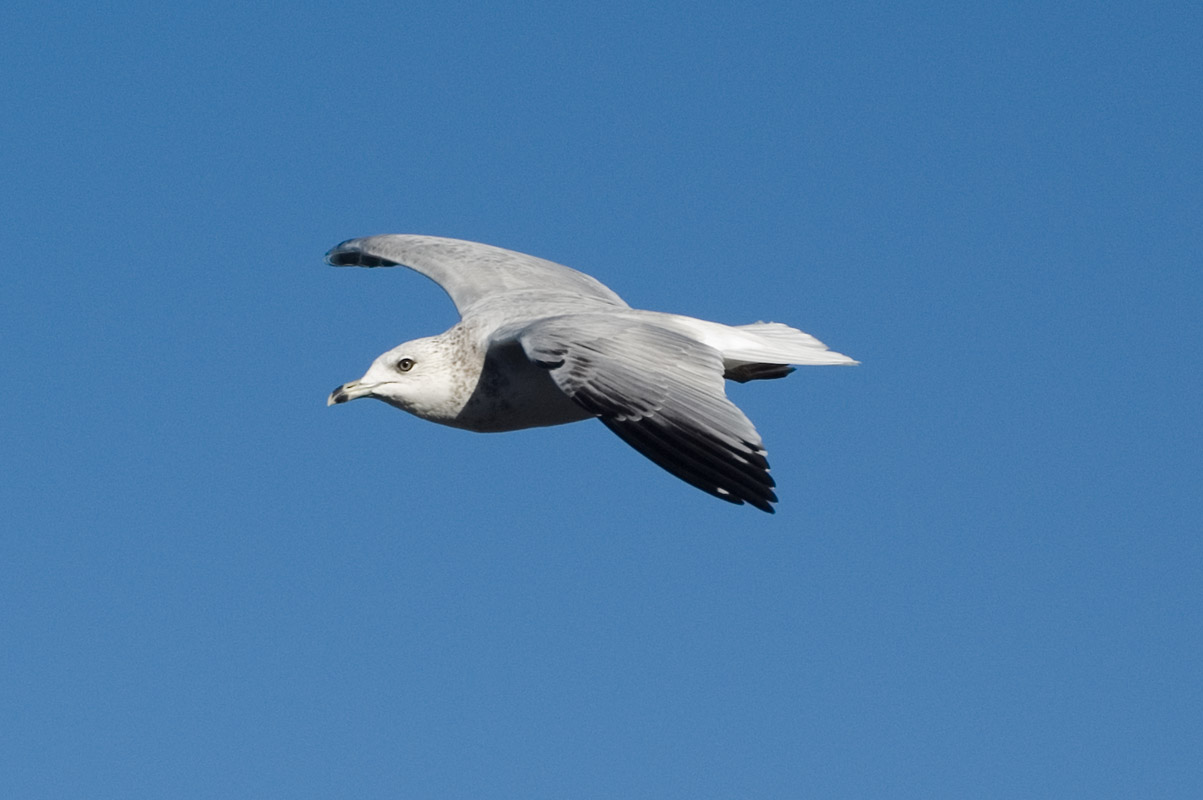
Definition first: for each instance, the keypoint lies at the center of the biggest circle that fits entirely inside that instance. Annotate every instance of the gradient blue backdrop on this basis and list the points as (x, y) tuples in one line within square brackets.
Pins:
[(984, 577)]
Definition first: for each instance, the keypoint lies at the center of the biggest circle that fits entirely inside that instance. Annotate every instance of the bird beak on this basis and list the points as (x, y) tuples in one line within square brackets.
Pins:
[(349, 391)]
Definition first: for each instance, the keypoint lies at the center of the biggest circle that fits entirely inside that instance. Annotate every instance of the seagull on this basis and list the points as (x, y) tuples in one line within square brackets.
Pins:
[(541, 344)]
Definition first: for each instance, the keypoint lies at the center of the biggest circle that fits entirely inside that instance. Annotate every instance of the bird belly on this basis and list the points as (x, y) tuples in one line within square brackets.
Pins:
[(512, 393)]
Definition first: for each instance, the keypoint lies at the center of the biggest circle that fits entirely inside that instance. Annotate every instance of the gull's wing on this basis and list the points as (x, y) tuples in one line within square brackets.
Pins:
[(662, 393), (469, 271)]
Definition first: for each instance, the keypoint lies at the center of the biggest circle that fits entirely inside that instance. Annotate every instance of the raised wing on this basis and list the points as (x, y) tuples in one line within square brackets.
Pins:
[(662, 393), (469, 271)]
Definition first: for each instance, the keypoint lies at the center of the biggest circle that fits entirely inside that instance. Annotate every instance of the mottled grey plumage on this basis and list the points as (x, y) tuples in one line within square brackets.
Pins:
[(539, 344)]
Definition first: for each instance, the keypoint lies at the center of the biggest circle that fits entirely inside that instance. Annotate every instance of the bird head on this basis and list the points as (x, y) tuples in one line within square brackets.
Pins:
[(415, 377)]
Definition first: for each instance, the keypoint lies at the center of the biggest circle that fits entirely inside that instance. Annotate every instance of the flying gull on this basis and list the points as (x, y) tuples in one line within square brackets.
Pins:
[(540, 344)]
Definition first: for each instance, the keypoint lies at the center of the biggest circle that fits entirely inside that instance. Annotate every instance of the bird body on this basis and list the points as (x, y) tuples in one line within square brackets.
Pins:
[(541, 344)]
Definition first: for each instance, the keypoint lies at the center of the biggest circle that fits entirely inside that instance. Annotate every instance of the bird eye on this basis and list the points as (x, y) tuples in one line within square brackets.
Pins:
[(405, 365)]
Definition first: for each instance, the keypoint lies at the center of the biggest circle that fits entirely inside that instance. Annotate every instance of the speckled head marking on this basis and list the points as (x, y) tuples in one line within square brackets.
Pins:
[(431, 378)]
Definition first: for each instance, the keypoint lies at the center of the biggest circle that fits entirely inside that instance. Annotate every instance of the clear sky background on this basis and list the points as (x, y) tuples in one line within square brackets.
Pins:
[(984, 577)]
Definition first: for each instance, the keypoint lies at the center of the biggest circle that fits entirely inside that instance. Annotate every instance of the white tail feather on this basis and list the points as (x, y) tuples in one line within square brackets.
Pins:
[(759, 342), (776, 343)]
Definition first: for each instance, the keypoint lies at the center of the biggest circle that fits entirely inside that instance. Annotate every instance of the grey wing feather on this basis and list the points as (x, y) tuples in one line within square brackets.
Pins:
[(470, 271), (662, 393)]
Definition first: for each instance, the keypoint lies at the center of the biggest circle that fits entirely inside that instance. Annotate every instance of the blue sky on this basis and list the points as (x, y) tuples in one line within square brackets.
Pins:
[(983, 579)]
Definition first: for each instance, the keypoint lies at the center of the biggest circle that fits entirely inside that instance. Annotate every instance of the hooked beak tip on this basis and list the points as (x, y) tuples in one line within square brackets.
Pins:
[(350, 391), (339, 395)]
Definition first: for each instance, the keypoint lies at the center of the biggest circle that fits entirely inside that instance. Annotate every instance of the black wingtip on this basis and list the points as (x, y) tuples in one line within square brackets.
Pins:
[(765, 504), (762, 504), (349, 254), (735, 475)]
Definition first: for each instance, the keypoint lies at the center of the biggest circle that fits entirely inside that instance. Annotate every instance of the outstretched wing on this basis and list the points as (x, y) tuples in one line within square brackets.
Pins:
[(662, 393), (470, 271)]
